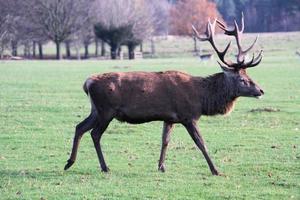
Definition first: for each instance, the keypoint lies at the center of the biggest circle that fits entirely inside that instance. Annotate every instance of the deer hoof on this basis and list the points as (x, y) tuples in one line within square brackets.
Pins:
[(216, 173), (69, 164), (161, 168), (105, 169)]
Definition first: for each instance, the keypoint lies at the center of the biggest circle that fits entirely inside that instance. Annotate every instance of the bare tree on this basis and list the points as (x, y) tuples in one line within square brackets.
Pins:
[(23, 30), (82, 38), (88, 37), (8, 19), (4, 40), (160, 10), (76, 43), (143, 26), (59, 19), (18, 30)]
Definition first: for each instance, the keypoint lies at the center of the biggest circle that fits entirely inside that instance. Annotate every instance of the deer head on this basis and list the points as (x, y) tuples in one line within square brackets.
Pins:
[(237, 77)]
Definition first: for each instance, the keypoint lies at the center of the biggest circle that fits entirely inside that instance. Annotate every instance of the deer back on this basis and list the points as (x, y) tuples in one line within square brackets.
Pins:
[(146, 96)]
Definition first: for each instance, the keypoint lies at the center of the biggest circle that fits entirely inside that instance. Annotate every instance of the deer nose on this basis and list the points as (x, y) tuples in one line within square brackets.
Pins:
[(261, 91)]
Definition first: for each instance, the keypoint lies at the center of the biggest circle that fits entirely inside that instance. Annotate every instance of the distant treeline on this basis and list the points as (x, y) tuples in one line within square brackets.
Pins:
[(75, 24), (261, 15)]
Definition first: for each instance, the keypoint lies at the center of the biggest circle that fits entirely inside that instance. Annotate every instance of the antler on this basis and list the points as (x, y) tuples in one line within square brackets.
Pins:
[(210, 32), (237, 33)]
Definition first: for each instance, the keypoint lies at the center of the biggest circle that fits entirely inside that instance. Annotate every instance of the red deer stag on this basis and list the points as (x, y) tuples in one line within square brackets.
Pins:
[(171, 96)]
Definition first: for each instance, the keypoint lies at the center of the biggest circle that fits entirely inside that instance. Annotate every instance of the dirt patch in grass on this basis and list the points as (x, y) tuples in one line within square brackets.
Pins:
[(268, 109), (121, 67)]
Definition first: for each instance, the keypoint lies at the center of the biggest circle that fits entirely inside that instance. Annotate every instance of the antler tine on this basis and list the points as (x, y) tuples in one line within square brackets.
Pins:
[(221, 25), (250, 62), (221, 54), (237, 34), (224, 67), (242, 23), (210, 32), (251, 46), (197, 34), (254, 61)]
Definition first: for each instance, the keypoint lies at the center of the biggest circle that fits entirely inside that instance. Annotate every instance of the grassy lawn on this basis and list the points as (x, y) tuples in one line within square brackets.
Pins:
[(258, 151)]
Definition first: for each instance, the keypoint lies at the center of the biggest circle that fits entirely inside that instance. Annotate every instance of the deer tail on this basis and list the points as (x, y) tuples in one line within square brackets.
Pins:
[(85, 89), (86, 85)]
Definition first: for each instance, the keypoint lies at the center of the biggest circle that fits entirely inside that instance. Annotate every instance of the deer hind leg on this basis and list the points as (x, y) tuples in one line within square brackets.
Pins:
[(196, 136), (96, 134), (165, 141), (81, 128)]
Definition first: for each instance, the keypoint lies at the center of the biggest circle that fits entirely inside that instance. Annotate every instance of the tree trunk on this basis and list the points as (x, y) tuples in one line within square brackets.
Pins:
[(58, 53), (1, 51), (14, 48), (77, 48), (86, 51), (96, 47), (119, 51), (195, 44), (141, 47), (68, 49), (131, 49), (41, 56), (152, 47), (27, 50), (113, 52), (34, 49), (103, 52), (78, 53)]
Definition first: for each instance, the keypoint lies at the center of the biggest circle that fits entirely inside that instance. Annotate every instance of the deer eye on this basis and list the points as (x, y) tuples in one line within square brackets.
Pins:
[(243, 81)]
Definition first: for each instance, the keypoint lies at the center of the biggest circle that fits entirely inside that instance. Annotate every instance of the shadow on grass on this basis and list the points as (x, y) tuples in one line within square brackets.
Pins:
[(59, 173), (42, 174)]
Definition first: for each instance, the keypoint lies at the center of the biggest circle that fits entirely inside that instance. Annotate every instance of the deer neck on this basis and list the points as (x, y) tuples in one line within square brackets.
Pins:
[(218, 95)]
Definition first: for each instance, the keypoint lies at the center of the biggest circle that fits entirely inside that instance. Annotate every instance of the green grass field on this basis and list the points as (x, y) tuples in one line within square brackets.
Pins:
[(258, 151)]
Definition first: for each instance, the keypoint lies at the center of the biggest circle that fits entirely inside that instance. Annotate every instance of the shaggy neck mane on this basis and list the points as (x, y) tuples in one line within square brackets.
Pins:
[(219, 96)]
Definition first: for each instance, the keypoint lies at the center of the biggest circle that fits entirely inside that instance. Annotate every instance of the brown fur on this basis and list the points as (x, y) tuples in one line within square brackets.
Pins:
[(171, 96)]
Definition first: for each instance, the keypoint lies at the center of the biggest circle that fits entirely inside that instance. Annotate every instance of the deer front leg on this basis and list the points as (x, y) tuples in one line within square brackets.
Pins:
[(196, 136), (165, 141)]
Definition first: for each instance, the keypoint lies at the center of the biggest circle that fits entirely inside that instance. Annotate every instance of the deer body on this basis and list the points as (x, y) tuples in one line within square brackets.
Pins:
[(171, 97)]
